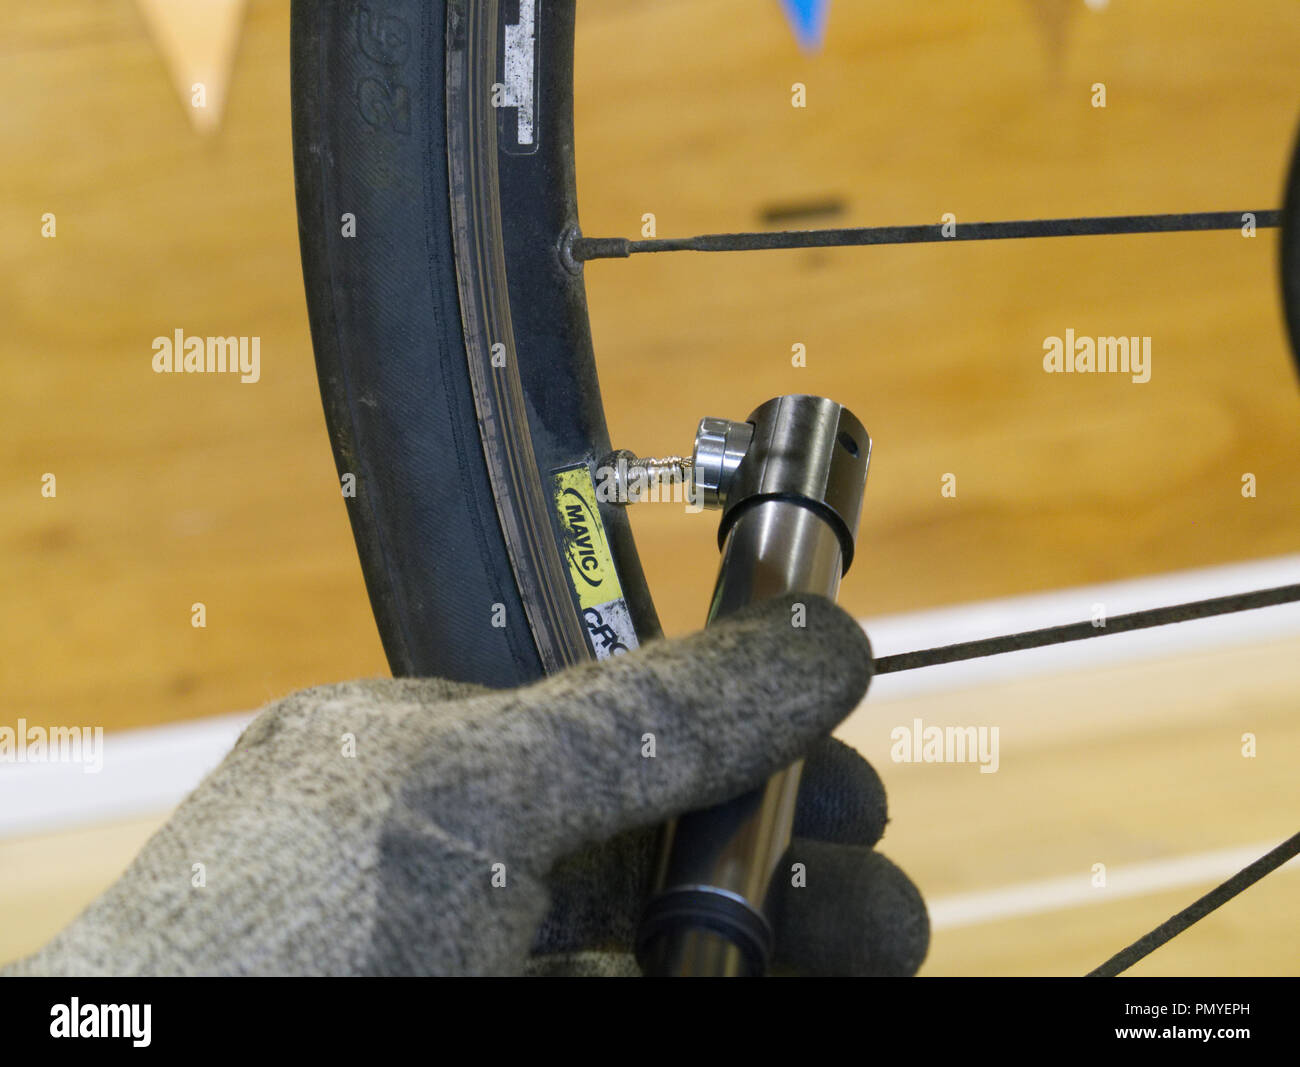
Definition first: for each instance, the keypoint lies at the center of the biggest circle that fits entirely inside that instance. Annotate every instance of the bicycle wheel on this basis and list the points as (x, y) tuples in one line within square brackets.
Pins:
[(1289, 253), (433, 147), (433, 160)]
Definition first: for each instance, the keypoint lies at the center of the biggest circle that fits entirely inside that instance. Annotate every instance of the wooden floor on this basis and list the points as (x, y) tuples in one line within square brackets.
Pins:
[(178, 490), (1120, 766)]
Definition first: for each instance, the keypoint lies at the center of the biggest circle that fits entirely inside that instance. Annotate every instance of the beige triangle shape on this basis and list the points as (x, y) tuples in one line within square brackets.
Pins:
[(198, 39), (1053, 18)]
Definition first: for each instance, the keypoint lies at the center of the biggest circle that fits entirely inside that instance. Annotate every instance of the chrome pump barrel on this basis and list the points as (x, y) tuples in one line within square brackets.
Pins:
[(790, 481)]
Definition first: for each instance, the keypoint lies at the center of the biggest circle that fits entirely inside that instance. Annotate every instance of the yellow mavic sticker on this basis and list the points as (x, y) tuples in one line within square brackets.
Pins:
[(591, 564)]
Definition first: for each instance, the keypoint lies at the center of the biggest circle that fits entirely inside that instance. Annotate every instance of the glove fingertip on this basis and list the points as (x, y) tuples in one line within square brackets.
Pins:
[(841, 797), (853, 913)]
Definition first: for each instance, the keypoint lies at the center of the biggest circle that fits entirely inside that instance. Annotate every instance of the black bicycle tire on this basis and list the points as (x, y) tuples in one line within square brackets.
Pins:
[(394, 337), (1289, 253)]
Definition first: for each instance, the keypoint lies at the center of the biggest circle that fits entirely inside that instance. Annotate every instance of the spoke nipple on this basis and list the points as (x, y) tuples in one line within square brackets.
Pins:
[(565, 249)]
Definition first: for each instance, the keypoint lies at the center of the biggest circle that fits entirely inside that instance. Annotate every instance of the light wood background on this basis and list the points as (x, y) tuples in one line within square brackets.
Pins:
[(173, 490)]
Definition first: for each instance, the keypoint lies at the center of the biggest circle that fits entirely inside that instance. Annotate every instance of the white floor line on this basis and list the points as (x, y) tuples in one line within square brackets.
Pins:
[(144, 771), (151, 770), (1077, 890)]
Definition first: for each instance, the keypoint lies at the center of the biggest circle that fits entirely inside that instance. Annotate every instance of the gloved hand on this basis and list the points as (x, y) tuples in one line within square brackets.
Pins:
[(428, 826)]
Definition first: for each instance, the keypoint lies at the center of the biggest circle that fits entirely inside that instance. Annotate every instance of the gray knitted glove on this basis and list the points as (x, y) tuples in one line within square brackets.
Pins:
[(428, 826)]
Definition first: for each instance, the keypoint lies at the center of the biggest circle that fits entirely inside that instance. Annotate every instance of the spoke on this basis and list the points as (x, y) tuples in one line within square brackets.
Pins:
[(584, 248), (1137, 620), (1079, 631), (1175, 925)]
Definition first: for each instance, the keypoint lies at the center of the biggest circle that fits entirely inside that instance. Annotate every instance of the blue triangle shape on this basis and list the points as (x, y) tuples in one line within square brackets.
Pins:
[(808, 19)]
